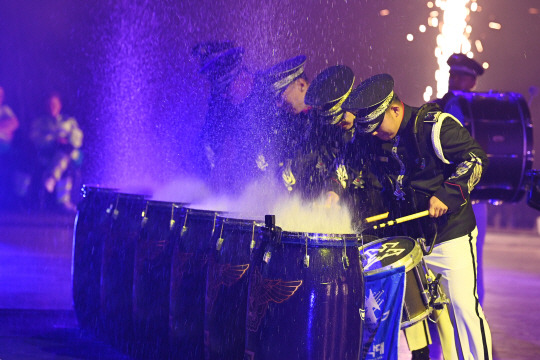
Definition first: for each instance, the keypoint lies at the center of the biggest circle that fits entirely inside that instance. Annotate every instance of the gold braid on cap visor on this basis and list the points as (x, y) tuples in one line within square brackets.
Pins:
[(369, 123), (278, 85), (335, 111), (378, 111)]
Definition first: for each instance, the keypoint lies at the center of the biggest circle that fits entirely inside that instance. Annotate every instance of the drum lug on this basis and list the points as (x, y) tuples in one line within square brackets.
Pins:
[(267, 256), (345, 261), (438, 297), (425, 294), (219, 243), (306, 261), (362, 314)]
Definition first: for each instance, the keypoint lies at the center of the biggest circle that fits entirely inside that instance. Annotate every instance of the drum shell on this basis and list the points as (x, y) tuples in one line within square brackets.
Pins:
[(188, 283), (91, 225), (151, 279), (406, 253), (118, 251), (227, 287), (501, 124), (318, 319)]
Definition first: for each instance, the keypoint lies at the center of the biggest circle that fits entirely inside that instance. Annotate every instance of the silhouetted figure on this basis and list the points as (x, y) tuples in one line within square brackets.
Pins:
[(8, 125), (57, 139)]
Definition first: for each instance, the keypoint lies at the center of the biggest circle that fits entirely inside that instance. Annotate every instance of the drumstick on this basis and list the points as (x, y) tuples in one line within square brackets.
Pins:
[(377, 217), (403, 219)]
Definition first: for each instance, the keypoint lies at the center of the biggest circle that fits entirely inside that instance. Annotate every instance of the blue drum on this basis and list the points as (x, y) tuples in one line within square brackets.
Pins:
[(118, 251), (91, 227), (189, 267), (235, 242), (159, 224), (393, 252), (501, 124), (305, 296)]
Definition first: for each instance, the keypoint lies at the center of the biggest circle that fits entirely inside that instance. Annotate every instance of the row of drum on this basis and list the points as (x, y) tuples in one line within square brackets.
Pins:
[(161, 280)]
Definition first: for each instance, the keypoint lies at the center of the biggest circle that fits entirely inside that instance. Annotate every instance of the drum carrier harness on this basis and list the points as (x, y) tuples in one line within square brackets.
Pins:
[(428, 113)]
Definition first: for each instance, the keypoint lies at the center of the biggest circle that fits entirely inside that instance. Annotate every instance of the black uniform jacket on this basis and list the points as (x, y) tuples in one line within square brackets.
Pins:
[(443, 160)]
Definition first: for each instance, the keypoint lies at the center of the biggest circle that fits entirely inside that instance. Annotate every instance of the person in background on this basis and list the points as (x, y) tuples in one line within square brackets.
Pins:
[(8, 125), (464, 73), (230, 83), (57, 139)]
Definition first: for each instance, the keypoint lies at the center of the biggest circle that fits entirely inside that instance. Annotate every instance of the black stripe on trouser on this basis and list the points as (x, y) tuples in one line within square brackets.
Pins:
[(477, 305), (426, 330)]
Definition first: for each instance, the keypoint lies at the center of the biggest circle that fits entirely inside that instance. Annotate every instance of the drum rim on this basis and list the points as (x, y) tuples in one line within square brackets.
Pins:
[(198, 213), (97, 188), (319, 239), (113, 191), (418, 318), (160, 203), (409, 261), (240, 222)]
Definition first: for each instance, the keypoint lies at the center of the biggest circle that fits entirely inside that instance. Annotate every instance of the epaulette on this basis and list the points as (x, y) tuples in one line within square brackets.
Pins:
[(427, 113), (432, 117)]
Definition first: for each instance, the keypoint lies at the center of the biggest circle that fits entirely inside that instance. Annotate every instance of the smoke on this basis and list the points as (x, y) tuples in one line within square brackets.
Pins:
[(261, 197), (293, 214)]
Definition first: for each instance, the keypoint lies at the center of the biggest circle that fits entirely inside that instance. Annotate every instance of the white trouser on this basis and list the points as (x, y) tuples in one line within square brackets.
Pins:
[(455, 260)]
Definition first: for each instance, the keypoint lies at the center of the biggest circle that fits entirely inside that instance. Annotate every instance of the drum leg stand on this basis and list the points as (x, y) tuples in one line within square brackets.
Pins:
[(441, 318)]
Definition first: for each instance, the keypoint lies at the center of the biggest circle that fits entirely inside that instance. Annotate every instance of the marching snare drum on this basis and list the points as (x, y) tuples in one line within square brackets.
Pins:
[(389, 253), (501, 124)]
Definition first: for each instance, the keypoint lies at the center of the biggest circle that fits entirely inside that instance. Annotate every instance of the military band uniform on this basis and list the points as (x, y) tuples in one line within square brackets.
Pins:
[(464, 72), (220, 62), (307, 172), (438, 159)]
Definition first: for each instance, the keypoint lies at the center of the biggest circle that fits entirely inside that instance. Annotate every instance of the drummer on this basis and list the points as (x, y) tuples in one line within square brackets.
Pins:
[(351, 182), (464, 72), (305, 172), (435, 169)]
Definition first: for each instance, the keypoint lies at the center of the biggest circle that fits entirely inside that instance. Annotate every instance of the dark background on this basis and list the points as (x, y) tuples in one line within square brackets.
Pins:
[(125, 72)]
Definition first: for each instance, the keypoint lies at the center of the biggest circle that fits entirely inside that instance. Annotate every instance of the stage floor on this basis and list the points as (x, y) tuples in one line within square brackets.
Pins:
[(37, 320)]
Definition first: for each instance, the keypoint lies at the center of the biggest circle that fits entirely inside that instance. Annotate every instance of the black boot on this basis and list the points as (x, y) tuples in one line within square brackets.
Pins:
[(421, 354)]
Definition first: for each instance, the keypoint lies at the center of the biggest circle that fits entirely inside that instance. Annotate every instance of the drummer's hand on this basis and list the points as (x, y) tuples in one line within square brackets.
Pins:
[(332, 200), (436, 207)]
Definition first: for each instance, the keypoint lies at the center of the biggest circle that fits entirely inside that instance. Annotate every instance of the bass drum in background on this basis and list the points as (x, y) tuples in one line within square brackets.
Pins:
[(501, 124)]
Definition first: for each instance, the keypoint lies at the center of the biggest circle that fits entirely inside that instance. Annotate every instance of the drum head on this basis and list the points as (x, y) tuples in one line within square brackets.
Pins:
[(501, 124), (389, 253)]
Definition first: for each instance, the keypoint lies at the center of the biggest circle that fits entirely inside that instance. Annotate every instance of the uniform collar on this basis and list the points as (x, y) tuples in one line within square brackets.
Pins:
[(407, 114)]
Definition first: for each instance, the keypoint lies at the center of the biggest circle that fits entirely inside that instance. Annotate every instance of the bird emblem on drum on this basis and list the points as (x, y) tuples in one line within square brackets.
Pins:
[(221, 275), (262, 292)]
